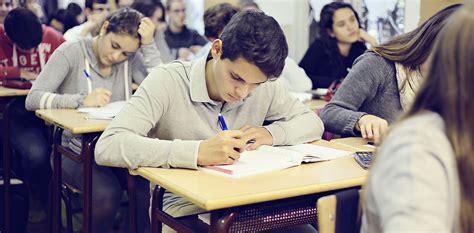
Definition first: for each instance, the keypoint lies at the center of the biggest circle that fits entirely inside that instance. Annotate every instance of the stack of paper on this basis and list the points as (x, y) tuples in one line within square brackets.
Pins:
[(268, 158), (106, 112)]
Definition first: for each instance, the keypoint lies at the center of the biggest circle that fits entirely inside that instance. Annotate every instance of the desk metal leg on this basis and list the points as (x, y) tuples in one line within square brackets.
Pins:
[(132, 203), (158, 216), (6, 165), (56, 187), (88, 145), (221, 224)]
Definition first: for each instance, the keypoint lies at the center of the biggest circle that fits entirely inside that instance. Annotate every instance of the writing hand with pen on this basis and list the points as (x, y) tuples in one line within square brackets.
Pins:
[(226, 146)]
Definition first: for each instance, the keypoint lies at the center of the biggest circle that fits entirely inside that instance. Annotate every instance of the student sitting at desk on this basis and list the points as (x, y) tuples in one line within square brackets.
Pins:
[(422, 179), (25, 47), (383, 82), (342, 40), (172, 120), (94, 72)]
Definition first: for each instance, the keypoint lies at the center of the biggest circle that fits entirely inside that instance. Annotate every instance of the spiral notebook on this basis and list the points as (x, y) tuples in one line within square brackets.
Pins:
[(268, 158)]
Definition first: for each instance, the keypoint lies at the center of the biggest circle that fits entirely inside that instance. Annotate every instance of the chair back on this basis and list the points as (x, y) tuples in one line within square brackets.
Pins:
[(339, 213)]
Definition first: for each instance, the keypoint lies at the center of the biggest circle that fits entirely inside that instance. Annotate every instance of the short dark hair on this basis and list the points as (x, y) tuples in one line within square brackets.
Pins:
[(125, 22), (149, 8), (168, 3), (89, 3), (24, 28), (216, 17), (257, 38)]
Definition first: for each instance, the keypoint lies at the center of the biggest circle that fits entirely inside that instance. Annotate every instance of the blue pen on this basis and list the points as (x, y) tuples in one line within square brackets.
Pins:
[(221, 121), (87, 75)]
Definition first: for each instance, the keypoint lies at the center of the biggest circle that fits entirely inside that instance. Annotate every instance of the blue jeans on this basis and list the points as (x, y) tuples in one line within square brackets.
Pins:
[(108, 184), (28, 137)]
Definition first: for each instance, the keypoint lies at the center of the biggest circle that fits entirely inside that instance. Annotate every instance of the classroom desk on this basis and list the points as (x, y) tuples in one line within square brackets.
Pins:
[(74, 122), (224, 196), (355, 143), (316, 104), (7, 95)]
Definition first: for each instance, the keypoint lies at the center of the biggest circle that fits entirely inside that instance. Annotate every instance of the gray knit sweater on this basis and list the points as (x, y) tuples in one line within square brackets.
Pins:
[(369, 88)]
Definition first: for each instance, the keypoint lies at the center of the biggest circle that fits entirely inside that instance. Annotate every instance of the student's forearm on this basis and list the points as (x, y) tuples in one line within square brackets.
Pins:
[(10, 72), (303, 128), (38, 99), (339, 119), (120, 147), (151, 55)]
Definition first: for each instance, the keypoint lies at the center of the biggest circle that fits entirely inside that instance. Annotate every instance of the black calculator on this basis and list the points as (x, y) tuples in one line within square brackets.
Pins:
[(364, 158)]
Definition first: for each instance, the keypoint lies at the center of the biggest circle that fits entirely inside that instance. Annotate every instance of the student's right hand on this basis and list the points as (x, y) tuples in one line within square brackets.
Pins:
[(97, 98), (372, 127), (94, 21), (221, 149), (365, 37), (28, 75)]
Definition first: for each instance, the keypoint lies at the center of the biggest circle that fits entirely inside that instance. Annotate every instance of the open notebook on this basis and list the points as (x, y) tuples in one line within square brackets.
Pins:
[(106, 112), (268, 158)]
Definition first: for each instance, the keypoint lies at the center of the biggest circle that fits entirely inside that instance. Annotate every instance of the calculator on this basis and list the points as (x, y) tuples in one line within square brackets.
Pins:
[(364, 158)]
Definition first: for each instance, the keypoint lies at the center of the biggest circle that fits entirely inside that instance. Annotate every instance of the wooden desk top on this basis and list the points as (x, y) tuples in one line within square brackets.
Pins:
[(71, 120), (212, 192), (315, 104), (355, 143), (5, 91)]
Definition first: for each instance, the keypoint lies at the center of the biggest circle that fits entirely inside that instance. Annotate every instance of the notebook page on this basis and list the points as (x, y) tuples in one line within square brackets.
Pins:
[(108, 111), (315, 153), (264, 159)]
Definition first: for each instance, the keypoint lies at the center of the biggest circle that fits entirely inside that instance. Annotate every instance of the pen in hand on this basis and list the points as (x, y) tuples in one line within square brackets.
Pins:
[(221, 121), (223, 126)]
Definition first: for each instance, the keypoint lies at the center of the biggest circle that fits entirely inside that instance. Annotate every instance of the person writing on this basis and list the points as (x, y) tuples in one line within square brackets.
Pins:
[(92, 73), (175, 111)]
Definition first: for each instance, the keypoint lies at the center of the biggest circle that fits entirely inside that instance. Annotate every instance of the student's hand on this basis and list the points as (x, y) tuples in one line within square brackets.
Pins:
[(161, 26), (372, 127), (183, 54), (93, 23), (28, 75), (97, 98), (365, 37), (195, 48), (224, 148), (146, 29), (257, 136)]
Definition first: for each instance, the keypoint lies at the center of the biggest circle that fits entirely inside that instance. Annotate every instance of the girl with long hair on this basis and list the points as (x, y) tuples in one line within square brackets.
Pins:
[(342, 40), (383, 82), (422, 179), (92, 73)]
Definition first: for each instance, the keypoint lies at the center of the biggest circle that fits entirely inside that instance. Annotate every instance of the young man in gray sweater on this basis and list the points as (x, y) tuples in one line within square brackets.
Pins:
[(172, 120)]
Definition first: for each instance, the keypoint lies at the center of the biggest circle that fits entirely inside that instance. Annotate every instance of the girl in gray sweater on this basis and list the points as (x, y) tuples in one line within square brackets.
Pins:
[(422, 179), (94, 72), (382, 83)]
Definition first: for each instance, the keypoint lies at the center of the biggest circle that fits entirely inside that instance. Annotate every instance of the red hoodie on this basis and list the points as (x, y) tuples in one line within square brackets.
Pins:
[(10, 64)]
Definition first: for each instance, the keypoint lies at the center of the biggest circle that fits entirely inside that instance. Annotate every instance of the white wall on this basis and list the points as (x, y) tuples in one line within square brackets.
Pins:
[(292, 15)]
